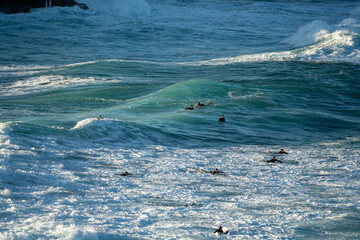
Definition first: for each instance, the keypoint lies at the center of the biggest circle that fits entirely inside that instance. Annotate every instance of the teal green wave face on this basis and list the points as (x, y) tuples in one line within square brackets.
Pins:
[(286, 103)]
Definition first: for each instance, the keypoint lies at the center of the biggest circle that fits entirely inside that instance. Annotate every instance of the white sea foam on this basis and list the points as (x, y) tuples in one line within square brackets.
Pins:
[(23, 67), (167, 197), (316, 41), (5, 192), (48, 227), (84, 122), (330, 47), (50, 82), (349, 23), (309, 34), (8, 147), (24, 70), (4, 140)]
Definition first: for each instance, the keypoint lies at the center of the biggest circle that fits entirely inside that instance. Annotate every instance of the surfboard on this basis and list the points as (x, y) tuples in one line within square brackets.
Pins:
[(225, 231)]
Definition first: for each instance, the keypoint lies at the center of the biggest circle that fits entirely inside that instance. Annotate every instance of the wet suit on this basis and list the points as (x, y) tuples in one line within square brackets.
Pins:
[(124, 174), (273, 160), (201, 105), (280, 152), (212, 172), (220, 230)]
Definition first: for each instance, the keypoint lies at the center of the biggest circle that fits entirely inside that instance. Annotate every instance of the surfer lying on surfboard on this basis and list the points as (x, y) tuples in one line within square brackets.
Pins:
[(280, 152), (273, 160), (190, 108), (212, 172), (124, 174), (198, 104)]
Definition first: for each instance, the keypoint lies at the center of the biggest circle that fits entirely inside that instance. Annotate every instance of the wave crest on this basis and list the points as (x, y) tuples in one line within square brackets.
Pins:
[(316, 41), (308, 34)]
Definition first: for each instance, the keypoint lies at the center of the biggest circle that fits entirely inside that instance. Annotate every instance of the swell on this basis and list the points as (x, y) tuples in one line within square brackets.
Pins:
[(307, 99)]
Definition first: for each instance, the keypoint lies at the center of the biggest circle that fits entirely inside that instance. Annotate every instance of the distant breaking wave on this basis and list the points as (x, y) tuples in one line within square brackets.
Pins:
[(316, 41)]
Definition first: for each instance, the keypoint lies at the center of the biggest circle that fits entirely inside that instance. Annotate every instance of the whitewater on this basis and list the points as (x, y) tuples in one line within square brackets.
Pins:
[(285, 74)]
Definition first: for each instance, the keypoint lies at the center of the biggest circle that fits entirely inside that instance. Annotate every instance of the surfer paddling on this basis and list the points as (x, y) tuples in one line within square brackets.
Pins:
[(212, 172), (280, 152), (190, 108), (221, 230), (272, 160), (124, 174), (198, 104)]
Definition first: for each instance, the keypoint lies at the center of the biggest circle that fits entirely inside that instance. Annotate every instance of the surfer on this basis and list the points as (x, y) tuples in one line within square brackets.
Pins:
[(212, 172), (222, 119), (124, 174), (220, 230), (100, 117), (273, 160), (282, 151), (198, 104), (190, 108), (215, 171)]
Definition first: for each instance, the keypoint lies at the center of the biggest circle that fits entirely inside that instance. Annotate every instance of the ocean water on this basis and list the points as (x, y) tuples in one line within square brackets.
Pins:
[(285, 74)]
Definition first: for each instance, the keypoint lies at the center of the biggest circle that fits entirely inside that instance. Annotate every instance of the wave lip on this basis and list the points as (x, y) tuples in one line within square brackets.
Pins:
[(308, 34), (119, 132)]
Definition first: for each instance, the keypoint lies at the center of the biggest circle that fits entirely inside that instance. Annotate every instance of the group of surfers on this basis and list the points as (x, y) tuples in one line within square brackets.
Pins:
[(216, 170), (222, 230), (199, 105)]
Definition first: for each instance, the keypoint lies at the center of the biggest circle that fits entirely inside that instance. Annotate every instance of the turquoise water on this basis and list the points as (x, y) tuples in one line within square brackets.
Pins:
[(284, 74)]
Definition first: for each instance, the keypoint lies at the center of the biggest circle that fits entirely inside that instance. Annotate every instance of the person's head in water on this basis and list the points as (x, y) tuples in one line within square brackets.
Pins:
[(273, 158), (222, 119), (190, 108), (198, 104), (216, 170), (100, 117)]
